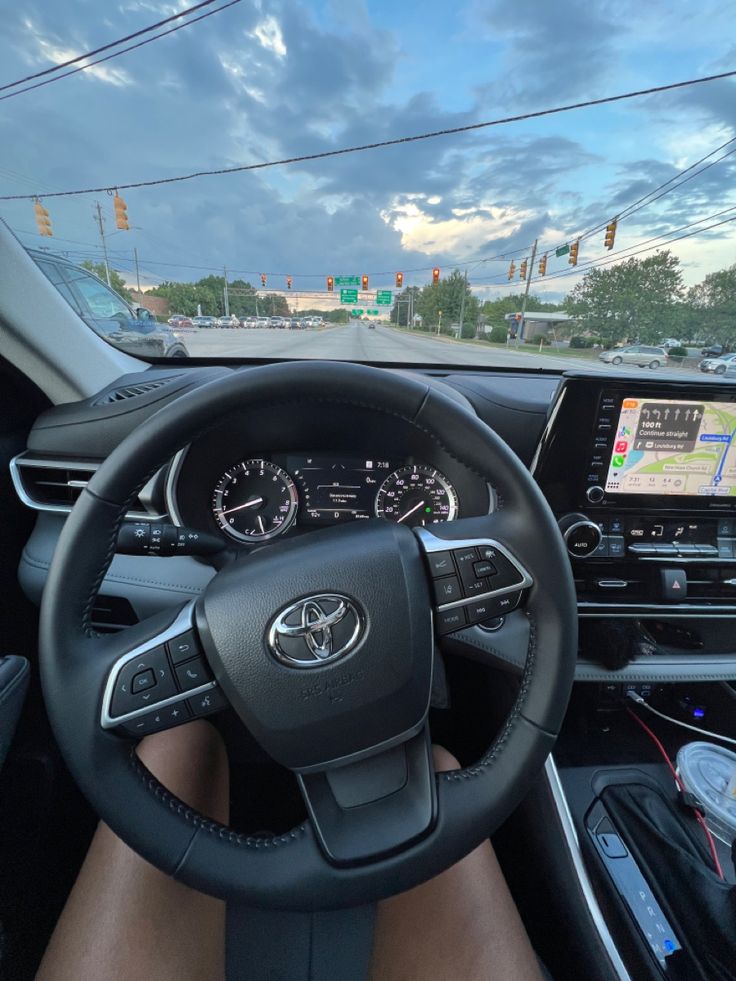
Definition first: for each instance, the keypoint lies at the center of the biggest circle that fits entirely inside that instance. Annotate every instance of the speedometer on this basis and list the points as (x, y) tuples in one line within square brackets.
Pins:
[(254, 500), (417, 495)]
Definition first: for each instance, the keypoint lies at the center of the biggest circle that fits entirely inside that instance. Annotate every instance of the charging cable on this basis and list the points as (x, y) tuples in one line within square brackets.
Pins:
[(685, 725)]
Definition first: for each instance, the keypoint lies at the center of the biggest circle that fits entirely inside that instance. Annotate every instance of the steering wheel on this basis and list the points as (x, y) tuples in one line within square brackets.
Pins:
[(323, 645)]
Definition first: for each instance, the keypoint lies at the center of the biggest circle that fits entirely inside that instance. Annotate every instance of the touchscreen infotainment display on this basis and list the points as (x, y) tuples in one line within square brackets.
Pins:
[(671, 446)]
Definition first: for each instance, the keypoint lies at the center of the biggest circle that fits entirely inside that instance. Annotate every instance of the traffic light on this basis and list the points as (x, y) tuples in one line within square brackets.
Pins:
[(610, 234), (263, 279), (523, 268), (330, 283), (43, 222), (121, 212), (573, 260), (436, 275), (512, 270), (364, 281), (288, 282), (543, 266), (399, 280)]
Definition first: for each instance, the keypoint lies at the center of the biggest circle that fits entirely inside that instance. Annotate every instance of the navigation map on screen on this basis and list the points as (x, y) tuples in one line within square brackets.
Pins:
[(668, 446)]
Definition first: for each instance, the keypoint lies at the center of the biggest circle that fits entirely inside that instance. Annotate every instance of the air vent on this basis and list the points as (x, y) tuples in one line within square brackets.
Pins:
[(111, 614), (134, 391), (55, 485)]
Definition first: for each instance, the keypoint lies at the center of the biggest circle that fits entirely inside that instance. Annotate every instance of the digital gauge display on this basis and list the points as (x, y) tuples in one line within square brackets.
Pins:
[(334, 489)]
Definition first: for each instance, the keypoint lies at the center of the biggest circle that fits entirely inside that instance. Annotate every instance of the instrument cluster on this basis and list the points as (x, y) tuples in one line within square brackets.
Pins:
[(255, 499)]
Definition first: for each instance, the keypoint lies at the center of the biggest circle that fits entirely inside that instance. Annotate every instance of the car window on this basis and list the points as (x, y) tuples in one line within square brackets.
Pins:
[(101, 302), (55, 274)]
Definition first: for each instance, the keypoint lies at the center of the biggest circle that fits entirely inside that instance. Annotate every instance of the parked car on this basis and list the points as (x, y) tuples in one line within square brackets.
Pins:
[(182, 322), (204, 321), (262, 322), (295, 324), (248, 322), (277, 322), (229, 321), (717, 366), (175, 318), (712, 351), (644, 355), (669, 342), (132, 329)]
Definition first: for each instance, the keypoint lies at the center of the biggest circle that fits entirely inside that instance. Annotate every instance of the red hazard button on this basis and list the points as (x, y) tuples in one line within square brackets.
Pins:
[(674, 584)]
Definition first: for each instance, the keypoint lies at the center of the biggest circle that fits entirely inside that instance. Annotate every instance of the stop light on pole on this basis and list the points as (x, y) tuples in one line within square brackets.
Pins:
[(523, 268), (399, 280), (263, 279), (43, 222), (330, 283), (436, 275), (573, 260), (364, 281), (543, 266), (512, 271), (610, 234), (288, 282), (121, 212)]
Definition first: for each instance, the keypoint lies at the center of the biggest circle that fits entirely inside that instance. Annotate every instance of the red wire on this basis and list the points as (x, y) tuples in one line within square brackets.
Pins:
[(699, 817)]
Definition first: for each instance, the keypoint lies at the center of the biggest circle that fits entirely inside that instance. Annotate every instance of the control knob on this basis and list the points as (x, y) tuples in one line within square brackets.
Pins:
[(582, 536)]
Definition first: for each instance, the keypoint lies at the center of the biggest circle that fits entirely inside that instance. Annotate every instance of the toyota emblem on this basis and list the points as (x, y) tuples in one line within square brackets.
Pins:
[(316, 630)]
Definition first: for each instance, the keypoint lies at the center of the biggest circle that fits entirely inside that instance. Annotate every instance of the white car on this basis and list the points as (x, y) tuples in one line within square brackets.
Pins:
[(645, 355), (719, 365), (230, 321)]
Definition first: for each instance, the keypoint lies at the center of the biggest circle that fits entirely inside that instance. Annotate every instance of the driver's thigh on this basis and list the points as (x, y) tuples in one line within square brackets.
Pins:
[(461, 924), (126, 920)]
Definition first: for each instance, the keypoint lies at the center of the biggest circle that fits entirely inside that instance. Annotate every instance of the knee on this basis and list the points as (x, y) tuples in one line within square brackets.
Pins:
[(443, 759)]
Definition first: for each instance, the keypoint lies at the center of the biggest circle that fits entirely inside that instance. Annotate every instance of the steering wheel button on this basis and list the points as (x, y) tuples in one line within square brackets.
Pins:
[(476, 587), (484, 568), (440, 564), (192, 674), (465, 557), (209, 701), (127, 697), (447, 590), (449, 620), (183, 648), (142, 681)]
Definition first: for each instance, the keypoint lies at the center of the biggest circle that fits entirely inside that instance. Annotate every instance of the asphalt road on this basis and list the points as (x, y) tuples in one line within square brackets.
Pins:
[(356, 342)]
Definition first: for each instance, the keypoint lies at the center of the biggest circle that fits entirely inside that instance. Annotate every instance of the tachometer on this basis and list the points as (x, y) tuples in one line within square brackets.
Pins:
[(417, 495), (254, 500)]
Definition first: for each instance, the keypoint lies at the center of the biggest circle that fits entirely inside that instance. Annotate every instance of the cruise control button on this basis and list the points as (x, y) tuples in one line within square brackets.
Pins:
[(209, 701), (440, 564), (484, 568), (183, 647), (447, 590), (477, 587), (125, 699), (449, 620), (464, 559), (193, 674)]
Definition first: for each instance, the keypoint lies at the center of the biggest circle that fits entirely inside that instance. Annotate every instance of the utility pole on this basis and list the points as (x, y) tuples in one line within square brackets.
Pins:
[(462, 302), (104, 244), (227, 298), (137, 274), (439, 325), (522, 323)]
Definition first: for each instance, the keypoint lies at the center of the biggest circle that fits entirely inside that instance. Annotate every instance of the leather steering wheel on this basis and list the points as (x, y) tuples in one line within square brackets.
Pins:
[(364, 599)]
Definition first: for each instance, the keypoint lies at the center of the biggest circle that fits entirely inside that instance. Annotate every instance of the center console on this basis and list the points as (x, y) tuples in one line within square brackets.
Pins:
[(642, 478)]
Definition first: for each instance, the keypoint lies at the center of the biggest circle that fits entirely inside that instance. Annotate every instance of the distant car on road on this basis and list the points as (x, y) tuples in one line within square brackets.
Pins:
[(229, 321), (712, 351), (204, 321), (719, 365), (645, 355)]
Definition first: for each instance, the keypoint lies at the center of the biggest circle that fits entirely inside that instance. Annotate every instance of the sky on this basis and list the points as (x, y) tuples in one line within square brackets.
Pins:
[(268, 79)]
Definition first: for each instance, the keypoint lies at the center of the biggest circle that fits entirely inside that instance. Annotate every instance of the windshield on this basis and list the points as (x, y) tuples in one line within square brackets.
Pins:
[(466, 184)]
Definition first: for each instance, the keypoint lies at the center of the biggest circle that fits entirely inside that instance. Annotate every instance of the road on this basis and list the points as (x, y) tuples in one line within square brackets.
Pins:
[(356, 342)]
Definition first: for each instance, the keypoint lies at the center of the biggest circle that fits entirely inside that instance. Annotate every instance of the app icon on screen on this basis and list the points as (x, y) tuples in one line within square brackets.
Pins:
[(622, 446), (618, 461)]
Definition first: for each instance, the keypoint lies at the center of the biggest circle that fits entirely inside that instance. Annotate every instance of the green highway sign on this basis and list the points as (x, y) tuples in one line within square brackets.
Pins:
[(347, 280), (563, 250), (384, 297), (356, 313), (348, 296), (373, 313)]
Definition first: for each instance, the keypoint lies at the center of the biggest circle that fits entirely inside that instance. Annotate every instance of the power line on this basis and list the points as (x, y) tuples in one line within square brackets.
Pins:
[(106, 47), (132, 47), (324, 154)]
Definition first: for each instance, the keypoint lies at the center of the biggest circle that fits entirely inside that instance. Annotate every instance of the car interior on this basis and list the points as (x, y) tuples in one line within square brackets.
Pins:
[(338, 564)]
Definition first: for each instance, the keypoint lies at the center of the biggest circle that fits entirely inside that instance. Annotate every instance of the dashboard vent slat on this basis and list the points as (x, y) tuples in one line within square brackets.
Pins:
[(55, 485), (134, 391)]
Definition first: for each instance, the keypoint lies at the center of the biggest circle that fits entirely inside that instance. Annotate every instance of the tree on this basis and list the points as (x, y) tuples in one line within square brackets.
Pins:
[(116, 280), (713, 305), (447, 296), (636, 300)]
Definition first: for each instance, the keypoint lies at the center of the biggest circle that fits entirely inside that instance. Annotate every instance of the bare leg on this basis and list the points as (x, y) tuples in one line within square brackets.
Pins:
[(463, 924), (126, 921)]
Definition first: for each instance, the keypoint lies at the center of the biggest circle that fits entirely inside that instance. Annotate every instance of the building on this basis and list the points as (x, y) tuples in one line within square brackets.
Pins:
[(537, 324), (157, 305)]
